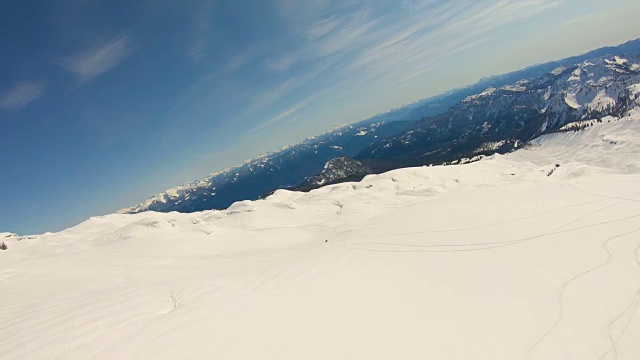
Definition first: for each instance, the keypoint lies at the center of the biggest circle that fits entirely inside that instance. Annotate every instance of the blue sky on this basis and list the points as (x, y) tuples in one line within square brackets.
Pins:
[(105, 103)]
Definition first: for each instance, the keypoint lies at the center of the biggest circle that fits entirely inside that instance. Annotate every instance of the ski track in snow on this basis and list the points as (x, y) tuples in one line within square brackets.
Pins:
[(633, 306), (489, 260), (578, 277)]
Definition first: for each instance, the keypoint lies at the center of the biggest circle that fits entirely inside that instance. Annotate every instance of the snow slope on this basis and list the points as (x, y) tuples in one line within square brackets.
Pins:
[(495, 259)]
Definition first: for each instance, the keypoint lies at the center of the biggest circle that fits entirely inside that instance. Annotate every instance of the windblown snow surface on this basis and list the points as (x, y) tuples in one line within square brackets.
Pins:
[(491, 260)]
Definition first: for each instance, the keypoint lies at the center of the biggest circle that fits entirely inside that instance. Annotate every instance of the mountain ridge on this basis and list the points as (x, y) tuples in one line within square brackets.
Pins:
[(209, 195), (508, 116)]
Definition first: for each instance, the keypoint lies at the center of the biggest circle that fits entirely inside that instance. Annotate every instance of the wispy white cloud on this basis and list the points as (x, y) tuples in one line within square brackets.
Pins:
[(388, 38), (324, 37), (288, 114), (381, 47), (346, 37), (99, 59), (297, 12), (281, 64), (359, 50), (321, 28), (235, 63), (198, 47), (275, 93), (281, 116), (20, 95)]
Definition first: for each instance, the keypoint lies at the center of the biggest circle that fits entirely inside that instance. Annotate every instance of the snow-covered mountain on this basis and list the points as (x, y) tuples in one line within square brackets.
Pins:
[(501, 119), (441, 103), (339, 169), (529, 255), (429, 140), (286, 167)]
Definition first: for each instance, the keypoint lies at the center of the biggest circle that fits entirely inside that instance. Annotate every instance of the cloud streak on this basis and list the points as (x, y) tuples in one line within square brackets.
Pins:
[(98, 59), (20, 95), (198, 47), (391, 46), (289, 112), (373, 55)]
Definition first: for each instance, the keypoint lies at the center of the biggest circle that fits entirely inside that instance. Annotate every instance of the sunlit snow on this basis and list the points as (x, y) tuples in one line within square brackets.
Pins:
[(491, 260)]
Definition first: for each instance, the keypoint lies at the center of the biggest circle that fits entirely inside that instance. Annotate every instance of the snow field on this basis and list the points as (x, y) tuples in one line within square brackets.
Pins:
[(489, 260)]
